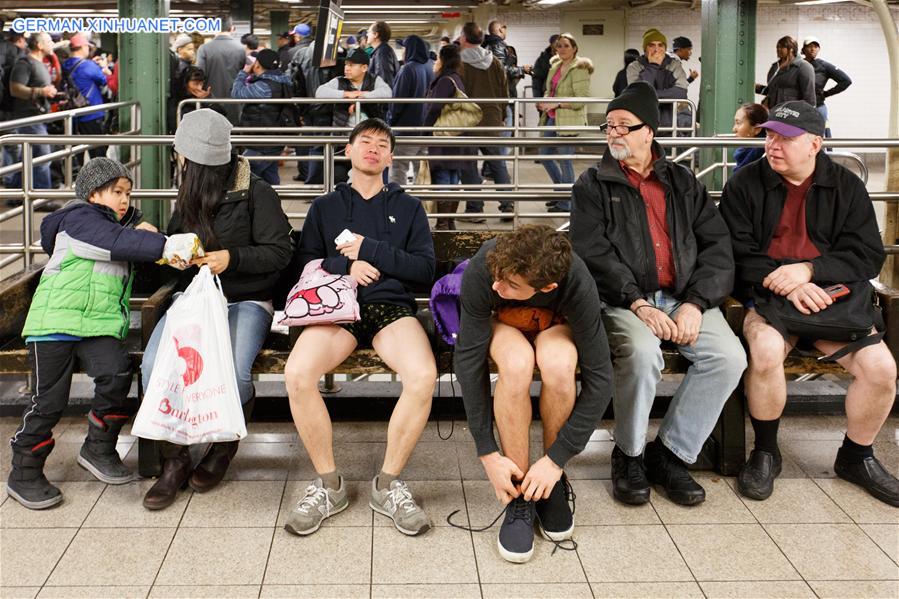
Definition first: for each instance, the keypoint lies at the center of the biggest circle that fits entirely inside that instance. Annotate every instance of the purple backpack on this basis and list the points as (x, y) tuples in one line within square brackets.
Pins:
[(445, 305)]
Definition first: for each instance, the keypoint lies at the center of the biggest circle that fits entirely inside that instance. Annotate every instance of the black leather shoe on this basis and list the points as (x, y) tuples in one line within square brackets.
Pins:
[(629, 482), (871, 476), (756, 477), (665, 469)]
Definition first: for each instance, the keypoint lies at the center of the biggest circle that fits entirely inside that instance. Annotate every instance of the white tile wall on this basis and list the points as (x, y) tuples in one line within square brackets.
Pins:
[(851, 38)]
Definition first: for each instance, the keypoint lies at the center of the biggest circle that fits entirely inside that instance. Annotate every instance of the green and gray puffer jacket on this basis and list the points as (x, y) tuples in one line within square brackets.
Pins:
[(86, 285)]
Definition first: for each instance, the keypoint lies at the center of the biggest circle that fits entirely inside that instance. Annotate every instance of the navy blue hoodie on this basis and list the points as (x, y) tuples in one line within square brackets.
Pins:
[(397, 240), (413, 81)]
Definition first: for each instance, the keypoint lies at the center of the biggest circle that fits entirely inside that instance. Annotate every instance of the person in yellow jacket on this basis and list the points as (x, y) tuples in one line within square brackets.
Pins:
[(568, 77)]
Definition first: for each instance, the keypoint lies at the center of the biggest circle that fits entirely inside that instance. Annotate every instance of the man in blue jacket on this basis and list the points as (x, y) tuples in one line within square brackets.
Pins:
[(90, 78), (262, 79), (391, 251), (413, 81)]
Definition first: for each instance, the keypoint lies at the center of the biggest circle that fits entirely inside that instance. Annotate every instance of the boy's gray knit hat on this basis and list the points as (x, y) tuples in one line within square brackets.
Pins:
[(97, 173), (204, 136)]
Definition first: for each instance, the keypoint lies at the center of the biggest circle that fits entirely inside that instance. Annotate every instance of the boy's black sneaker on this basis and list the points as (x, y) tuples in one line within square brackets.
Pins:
[(516, 535), (555, 518)]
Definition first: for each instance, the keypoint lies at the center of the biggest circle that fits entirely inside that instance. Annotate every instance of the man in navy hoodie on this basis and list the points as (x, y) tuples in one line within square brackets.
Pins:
[(392, 250), (413, 81)]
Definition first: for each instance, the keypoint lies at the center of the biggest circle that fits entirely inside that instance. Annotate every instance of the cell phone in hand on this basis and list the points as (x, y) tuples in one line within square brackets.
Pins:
[(346, 236), (837, 291)]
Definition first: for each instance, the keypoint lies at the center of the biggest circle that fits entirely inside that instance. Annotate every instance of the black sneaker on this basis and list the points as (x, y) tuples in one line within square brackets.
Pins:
[(756, 477), (666, 469), (871, 476), (629, 482), (555, 516), (516, 535)]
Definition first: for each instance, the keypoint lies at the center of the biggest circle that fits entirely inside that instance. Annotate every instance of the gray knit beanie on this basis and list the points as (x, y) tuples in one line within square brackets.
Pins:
[(97, 173), (204, 136)]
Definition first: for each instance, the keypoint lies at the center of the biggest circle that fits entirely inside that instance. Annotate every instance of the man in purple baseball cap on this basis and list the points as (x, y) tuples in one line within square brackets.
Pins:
[(804, 235)]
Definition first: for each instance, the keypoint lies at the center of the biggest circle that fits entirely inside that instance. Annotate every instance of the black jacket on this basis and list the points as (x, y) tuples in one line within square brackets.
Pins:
[(795, 82), (383, 64), (541, 72), (340, 113), (508, 57), (839, 218), (575, 299), (823, 72), (251, 225), (610, 231)]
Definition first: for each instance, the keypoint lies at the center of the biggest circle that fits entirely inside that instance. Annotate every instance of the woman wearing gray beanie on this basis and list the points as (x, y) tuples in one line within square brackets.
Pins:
[(246, 235)]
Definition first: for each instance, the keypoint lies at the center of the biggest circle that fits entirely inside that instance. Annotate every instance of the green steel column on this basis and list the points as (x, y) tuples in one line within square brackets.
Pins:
[(280, 22), (144, 76), (728, 68)]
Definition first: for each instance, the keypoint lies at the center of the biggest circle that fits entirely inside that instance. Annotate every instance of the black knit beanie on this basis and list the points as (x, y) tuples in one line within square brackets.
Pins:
[(639, 98)]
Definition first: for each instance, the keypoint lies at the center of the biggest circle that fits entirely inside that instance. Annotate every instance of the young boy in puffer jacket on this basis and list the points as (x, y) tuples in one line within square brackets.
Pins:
[(80, 311)]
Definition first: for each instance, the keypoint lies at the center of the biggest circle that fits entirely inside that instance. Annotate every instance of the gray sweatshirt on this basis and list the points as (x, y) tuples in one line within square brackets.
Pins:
[(577, 300)]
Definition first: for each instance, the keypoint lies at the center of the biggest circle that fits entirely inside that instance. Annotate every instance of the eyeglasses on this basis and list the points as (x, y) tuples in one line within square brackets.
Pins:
[(621, 130)]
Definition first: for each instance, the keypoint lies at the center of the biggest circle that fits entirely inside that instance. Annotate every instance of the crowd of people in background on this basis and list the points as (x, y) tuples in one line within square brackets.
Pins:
[(46, 73)]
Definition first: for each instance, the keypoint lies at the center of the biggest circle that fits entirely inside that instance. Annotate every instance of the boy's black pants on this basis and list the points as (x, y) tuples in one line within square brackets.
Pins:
[(104, 359)]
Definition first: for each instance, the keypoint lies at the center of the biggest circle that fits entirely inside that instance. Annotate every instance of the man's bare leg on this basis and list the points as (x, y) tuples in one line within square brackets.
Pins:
[(318, 350)]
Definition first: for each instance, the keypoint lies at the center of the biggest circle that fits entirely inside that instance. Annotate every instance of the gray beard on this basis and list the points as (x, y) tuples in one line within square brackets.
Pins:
[(619, 152)]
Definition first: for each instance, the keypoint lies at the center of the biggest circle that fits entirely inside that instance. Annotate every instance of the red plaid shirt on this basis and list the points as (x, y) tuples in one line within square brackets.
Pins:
[(653, 193)]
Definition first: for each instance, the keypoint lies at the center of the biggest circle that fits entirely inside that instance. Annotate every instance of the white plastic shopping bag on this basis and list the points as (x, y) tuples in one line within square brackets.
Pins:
[(192, 395)]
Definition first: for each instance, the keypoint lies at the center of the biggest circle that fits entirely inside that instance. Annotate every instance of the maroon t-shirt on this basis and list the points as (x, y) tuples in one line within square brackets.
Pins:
[(791, 239)]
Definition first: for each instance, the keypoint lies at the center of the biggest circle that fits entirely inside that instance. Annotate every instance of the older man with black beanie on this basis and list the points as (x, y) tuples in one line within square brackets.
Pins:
[(661, 257)]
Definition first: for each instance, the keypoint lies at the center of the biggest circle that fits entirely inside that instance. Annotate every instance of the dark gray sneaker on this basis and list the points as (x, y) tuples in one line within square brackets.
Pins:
[(516, 535), (316, 505), (98, 454), (397, 504), (27, 483)]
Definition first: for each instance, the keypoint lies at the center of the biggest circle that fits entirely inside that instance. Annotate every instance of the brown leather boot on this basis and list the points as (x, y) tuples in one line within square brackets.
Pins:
[(175, 473), (212, 468)]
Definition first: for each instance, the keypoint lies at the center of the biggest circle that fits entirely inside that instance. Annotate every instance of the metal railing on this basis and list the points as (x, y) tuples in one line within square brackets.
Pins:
[(726, 166), (516, 191), (68, 120)]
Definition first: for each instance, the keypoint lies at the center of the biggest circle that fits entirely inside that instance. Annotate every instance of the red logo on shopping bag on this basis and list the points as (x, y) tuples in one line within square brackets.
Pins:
[(193, 361)]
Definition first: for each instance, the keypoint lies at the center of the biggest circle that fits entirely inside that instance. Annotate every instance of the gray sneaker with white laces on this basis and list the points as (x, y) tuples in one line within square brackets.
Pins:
[(317, 504), (397, 504)]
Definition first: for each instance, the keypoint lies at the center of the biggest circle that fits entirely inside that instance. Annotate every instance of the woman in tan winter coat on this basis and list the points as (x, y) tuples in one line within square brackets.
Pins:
[(569, 77)]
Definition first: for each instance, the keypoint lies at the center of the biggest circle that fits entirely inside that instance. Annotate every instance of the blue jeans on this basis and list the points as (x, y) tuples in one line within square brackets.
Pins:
[(560, 171), (248, 324), (40, 173), (717, 363), (469, 175), (822, 110), (442, 176), (267, 171)]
